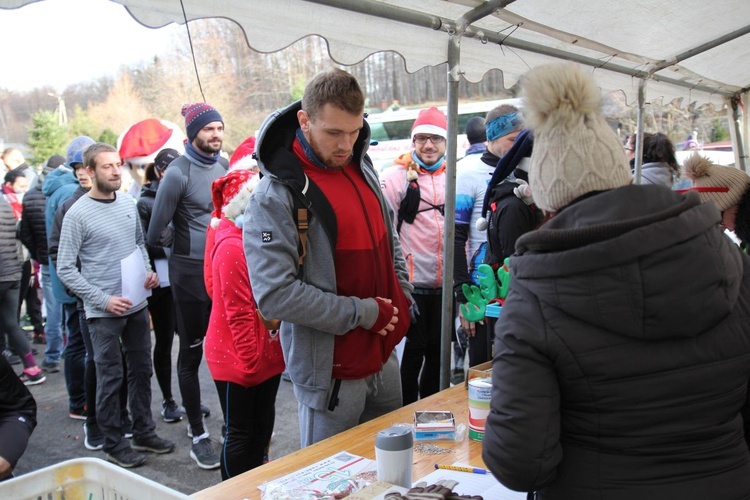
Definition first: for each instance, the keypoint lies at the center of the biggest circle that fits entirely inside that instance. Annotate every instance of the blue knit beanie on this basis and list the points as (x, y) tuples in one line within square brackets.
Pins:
[(77, 144), (197, 116)]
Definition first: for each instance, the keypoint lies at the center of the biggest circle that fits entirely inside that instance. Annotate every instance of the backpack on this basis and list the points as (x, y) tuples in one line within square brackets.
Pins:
[(409, 206), (495, 254)]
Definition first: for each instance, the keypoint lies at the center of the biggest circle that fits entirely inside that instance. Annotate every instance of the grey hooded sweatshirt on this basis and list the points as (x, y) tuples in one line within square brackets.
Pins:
[(312, 313), (623, 354)]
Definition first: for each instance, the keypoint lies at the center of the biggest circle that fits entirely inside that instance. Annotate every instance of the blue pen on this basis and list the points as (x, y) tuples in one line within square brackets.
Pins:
[(473, 470)]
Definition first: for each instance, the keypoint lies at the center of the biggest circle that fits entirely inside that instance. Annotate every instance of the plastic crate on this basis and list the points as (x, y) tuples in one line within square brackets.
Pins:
[(85, 479)]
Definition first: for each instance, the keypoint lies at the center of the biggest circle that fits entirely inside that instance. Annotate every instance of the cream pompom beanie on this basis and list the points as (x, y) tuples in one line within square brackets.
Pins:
[(575, 150)]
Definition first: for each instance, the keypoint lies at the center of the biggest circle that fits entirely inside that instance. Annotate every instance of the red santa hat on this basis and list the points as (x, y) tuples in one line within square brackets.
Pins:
[(430, 121), (242, 158), (141, 142), (230, 194), (144, 138)]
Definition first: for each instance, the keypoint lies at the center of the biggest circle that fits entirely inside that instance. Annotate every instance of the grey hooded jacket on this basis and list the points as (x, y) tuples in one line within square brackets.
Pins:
[(311, 311), (623, 354)]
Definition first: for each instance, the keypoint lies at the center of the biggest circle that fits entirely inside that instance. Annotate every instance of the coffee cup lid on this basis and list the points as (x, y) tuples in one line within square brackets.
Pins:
[(394, 439)]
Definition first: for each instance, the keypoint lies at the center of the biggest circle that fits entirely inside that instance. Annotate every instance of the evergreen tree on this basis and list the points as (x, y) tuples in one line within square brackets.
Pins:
[(108, 137), (46, 136)]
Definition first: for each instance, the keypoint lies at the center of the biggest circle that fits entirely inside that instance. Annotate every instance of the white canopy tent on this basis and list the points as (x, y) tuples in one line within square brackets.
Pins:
[(692, 50)]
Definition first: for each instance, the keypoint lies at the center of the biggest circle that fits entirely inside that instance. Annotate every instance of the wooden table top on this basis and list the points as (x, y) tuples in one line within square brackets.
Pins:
[(361, 441)]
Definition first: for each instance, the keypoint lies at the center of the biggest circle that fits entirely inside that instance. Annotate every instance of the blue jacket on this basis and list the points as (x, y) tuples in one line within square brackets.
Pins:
[(58, 186)]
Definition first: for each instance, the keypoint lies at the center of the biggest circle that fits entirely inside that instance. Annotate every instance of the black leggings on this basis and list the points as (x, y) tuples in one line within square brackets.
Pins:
[(161, 308), (422, 348), (17, 340), (480, 345), (249, 414), (31, 295), (193, 309)]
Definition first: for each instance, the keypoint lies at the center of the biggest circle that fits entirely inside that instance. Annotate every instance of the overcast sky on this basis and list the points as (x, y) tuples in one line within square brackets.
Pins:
[(60, 42)]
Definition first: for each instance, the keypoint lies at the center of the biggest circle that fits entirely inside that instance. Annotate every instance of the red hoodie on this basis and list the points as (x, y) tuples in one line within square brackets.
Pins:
[(363, 263)]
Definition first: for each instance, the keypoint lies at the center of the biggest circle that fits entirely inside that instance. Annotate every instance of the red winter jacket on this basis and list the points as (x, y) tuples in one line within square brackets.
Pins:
[(238, 347)]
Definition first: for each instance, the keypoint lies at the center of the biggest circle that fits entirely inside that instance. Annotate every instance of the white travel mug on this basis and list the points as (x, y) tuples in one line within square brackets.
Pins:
[(394, 454)]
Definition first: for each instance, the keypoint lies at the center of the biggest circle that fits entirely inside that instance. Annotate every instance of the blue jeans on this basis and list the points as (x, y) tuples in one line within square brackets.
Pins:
[(75, 359), (53, 327)]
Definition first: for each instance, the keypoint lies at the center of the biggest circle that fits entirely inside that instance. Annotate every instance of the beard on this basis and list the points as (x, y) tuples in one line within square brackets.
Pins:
[(206, 147), (329, 161), (108, 187)]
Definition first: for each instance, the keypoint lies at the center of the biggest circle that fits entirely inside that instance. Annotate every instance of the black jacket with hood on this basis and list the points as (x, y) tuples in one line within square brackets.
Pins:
[(623, 354)]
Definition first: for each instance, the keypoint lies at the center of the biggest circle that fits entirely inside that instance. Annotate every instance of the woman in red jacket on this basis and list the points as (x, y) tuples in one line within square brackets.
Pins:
[(244, 358)]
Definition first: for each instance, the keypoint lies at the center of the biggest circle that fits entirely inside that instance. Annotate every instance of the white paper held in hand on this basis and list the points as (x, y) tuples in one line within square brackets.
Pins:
[(133, 275)]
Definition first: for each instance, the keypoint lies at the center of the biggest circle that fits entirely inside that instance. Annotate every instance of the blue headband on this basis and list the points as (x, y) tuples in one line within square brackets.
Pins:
[(503, 125)]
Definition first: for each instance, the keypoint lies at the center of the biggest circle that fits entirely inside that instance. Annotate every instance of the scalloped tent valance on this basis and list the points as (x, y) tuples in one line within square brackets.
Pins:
[(693, 49)]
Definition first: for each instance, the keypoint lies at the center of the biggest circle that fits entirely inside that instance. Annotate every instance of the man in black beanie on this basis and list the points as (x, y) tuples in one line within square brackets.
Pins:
[(184, 200), (476, 134)]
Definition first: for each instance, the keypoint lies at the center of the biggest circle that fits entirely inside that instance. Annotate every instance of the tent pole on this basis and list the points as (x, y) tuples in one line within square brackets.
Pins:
[(734, 114), (447, 320), (639, 132)]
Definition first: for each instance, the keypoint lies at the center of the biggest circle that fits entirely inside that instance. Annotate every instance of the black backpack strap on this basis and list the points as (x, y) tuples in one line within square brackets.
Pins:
[(409, 206)]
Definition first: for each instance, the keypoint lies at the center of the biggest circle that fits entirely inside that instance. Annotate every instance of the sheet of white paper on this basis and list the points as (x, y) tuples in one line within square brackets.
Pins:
[(133, 273), (473, 484), (162, 270)]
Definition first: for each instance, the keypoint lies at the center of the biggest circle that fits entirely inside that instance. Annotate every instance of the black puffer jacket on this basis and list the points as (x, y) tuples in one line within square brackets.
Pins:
[(10, 264), (145, 208), (623, 354), (33, 231)]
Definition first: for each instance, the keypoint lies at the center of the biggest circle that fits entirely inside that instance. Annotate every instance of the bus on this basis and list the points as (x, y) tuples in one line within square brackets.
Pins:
[(391, 130)]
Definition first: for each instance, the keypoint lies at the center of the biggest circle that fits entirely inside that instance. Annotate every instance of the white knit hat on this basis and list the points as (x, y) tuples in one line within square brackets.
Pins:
[(705, 175), (575, 150)]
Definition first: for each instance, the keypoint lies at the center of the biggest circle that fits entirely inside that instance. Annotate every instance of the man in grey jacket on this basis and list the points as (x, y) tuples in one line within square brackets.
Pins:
[(340, 288)]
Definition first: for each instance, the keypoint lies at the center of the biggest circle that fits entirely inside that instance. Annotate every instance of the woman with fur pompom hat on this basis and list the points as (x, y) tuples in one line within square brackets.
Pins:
[(727, 187), (621, 356)]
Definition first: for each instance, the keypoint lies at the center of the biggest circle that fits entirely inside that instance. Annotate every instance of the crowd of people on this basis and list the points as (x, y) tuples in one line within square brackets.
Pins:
[(620, 361)]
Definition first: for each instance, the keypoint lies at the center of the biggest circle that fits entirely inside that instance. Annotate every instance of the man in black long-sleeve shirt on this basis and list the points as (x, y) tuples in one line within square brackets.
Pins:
[(184, 200)]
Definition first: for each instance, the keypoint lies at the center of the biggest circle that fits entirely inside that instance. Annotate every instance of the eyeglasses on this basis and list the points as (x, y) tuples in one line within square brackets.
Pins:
[(435, 139)]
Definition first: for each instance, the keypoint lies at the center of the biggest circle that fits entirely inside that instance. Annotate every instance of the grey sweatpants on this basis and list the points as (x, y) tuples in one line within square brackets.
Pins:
[(359, 401), (106, 334)]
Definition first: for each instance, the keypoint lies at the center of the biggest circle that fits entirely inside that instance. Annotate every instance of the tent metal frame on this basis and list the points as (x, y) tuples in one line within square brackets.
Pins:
[(462, 27)]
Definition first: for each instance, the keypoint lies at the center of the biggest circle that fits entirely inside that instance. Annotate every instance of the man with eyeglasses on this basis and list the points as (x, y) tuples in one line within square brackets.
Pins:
[(415, 188)]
